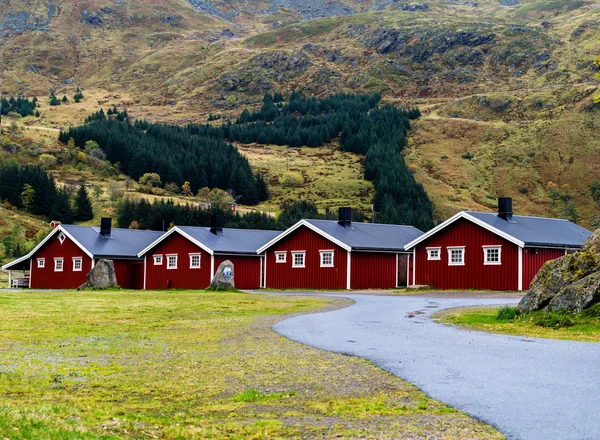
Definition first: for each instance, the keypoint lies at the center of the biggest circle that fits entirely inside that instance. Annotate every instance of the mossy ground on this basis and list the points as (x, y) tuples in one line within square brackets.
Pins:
[(580, 327), (182, 364)]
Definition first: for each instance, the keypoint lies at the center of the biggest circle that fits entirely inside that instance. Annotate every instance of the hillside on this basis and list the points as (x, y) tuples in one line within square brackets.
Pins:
[(506, 91)]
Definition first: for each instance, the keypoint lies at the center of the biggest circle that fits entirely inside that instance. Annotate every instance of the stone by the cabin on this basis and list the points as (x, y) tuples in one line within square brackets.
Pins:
[(225, 276), (102, 275), (569, 283)]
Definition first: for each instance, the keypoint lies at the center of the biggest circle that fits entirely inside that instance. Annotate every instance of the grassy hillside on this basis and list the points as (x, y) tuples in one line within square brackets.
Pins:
[(512, 86)]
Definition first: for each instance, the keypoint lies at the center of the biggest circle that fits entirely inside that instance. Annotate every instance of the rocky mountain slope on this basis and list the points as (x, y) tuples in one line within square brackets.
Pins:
[(505, 86)]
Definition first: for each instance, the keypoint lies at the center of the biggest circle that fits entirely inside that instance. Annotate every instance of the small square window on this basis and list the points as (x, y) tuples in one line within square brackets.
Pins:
[(77, 264), (58, 265), (194, 261), (434, 253), (492, 255), (280, 257), (456, 256), (298, 259), (158, 260), (41, 263), (171, 261), (326, 258)]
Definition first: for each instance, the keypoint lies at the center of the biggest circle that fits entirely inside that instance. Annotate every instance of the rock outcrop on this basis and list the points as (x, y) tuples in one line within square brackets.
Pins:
[(225, 276), (569, 283), (102, 275)]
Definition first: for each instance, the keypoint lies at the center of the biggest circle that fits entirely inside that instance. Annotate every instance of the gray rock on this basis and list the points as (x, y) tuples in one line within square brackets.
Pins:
[(568, 283), (509, 2), (579, 295), (102, 275), (225, 276)]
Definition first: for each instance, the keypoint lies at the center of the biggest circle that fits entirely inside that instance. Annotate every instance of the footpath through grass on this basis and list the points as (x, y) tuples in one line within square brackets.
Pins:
[(584, 326), (174, 365)]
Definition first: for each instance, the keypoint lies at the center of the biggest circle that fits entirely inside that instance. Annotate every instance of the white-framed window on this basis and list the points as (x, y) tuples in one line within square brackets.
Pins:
[(194, 261), (77, 264), (492, 255), (61, 238), (172, 261), (434, 253), (157, 260), (298, 259), (456, 256), (326, 258), (280, 257), (41, 263), (58, 264)]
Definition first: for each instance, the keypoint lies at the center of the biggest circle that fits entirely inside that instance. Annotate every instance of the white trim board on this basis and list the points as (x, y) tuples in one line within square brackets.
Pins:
[(168, 234), (309, 226), (466, 216), (43, 242)]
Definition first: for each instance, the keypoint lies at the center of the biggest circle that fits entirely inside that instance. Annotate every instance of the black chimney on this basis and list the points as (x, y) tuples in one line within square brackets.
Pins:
[(216, 223), (345, 217), (105, 227), (505, 210)]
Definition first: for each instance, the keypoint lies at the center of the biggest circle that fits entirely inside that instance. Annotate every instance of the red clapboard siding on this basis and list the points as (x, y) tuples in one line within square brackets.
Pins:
[(474, 274), (46, 278), (284, 276), (372, 270), (246, 269), (159, 277), (129, 274), (534, 259)]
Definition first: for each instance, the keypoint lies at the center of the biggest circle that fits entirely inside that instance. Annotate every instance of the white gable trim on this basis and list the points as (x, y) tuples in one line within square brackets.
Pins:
[(472, 219), (168, 234), (43, 242), (309, 226)]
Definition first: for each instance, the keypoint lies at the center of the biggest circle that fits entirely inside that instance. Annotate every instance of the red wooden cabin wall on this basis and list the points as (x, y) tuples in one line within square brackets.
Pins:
[(474, 274), (284, 276), (159, 277), (46, 278), (247, 270), (373, 270), (130, 274), (534, 259)]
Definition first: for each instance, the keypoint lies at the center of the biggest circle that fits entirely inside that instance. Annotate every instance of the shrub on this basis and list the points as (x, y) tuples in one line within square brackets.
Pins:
[(553, 319), (47, 161), (291, 178), (467, 155), (523, 190), (506, 314)]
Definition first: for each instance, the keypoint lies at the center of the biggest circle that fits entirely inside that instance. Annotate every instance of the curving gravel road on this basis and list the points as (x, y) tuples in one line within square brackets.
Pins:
[(527, 388)]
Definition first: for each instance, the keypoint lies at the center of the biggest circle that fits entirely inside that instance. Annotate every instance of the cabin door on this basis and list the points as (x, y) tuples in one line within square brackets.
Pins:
[(402, 270)]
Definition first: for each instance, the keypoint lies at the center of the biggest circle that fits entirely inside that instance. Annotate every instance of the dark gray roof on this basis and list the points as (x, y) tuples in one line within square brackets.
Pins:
[(369, 236), (123, 243), (233, 241), (537, 231)]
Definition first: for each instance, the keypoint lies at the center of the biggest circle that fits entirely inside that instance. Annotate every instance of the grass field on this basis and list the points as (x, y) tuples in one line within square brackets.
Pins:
[(187, 364), (584, 326)]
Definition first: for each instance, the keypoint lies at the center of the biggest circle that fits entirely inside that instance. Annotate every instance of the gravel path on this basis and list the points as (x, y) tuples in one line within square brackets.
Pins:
[(527, 388)]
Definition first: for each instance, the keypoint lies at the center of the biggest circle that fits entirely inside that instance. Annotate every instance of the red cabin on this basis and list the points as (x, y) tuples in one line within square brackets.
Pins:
[(64, 258), (482, 250), (188, 257), (325, 254)]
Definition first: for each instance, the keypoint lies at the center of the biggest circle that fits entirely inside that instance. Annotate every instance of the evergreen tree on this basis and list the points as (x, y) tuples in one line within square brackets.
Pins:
[(64, 99), (83, 205), (262, 191), (61, 208), (28, 197), (54, 101)]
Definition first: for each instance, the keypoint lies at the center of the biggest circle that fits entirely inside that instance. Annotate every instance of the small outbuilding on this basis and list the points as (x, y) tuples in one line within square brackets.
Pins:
[(187, 257), (329, 254), (64, 258), (483, 250)]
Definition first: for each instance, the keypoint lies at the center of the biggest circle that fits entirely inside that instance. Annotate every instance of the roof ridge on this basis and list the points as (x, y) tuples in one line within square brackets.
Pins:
[(521, 216), (364, 223)]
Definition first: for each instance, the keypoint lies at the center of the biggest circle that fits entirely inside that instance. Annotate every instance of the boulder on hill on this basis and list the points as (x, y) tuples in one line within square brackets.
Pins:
[(569, 283), (102, 275)]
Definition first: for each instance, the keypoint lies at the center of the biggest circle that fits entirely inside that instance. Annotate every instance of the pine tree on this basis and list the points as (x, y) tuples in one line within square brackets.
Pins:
[(64, 99), (28, 197), (54, 101), (61, 208), (83, 205)]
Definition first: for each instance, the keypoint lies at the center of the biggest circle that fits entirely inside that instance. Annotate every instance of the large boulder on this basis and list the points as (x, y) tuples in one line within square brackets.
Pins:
[(225, 276), (568, 283), (102, 275)]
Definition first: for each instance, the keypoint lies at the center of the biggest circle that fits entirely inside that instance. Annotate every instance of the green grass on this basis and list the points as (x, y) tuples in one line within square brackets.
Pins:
[(183, 364), (584, 326)]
